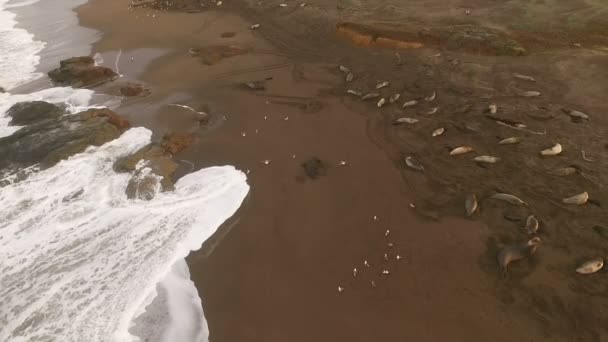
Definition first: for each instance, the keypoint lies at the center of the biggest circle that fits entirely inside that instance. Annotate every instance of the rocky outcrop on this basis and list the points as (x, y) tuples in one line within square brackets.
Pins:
[(81, 72), (152, 169), (50, 140), (176, 142), (153, 166), (25, 113)]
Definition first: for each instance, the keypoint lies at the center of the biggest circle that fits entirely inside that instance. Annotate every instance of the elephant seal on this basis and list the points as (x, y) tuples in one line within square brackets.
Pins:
[(516, 252)]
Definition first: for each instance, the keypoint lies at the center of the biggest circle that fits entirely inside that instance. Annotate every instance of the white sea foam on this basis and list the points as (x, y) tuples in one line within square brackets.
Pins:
[(19, 51), (79, 261)]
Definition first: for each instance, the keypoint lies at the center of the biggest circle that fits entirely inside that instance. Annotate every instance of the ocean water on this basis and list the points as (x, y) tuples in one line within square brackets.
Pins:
[(78, 260)]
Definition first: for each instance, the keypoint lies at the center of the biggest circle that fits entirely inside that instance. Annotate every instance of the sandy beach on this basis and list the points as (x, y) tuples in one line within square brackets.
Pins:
[(273, 272)]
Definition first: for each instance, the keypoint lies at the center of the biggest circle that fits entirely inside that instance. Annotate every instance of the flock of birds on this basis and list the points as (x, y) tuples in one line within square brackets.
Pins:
[(509, 253)]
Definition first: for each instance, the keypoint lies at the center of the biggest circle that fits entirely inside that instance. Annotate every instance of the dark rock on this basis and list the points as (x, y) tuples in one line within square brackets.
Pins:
[(2, 90), (51, 140), (133, 89), (25, 113), (81, 72), (228, 34), (314, 168)]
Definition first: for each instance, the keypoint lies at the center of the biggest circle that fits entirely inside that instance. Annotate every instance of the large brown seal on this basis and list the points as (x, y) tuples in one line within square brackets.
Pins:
[(516, 252)]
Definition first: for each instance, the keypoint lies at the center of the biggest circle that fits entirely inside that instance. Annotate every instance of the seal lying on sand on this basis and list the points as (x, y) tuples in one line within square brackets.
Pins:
[(516, 252)]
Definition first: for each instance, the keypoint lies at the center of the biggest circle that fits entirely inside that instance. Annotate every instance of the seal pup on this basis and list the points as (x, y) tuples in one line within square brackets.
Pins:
[(531, 225), (510, 141), (509, 199), (524, 77), (590, 266), (405, 120), (438, 132), (370, 96), (414, 164), (461, 150), (394, 98), (486, 159), (382, 84), (410, 103), (553, 151), (470, 204), (515, 252), (579, 199), (529, 93)]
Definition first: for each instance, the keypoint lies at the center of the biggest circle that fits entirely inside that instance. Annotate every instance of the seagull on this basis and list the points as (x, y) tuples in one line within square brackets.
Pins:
[(387, 232), (340, 289), (390, 244), (398, 257), (373, 283), (354, 272), (365, 263), (386, 256), (342, 163), (266, 162), (384, 271)]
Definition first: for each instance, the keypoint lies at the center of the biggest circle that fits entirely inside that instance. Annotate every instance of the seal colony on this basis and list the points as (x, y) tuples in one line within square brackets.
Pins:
[(461, 89)]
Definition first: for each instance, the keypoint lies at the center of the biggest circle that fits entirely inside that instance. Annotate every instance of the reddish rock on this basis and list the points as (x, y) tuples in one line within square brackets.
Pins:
[(176, 142), (113, 118), (81, 72)]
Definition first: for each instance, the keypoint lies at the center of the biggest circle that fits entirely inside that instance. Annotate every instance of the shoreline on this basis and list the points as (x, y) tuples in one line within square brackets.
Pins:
[(276, 272), (329, 186)]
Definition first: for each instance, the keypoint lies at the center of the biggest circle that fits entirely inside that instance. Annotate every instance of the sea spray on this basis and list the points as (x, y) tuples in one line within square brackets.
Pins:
[(79, 259)]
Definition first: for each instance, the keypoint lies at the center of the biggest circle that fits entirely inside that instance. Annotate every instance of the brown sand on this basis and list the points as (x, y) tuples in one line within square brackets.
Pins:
[(272, 273)]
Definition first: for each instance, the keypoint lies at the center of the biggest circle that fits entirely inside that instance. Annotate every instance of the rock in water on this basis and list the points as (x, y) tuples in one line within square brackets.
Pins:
[(470, 204), (81, 72), (516, 252), (579, 199), (591, 266), (49, 141), (25, 113), (144, 183)]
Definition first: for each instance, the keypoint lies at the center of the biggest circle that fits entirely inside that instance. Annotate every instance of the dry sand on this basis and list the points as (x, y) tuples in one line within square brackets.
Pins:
[(272, 273)]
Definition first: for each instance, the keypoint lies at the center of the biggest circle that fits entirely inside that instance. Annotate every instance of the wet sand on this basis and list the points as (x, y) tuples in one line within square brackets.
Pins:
[(273, 272)]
